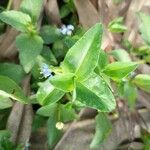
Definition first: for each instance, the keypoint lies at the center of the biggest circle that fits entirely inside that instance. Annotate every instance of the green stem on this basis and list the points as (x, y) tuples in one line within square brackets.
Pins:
[(141, 62), (74, 95), (9, 4), (58, 113)]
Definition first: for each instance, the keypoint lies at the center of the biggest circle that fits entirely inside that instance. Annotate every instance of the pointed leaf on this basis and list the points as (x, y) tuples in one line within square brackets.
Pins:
[(119, 70), (16, 19), (117, 25), (66, 112), (95, 93), (8, 88), (48, 94), (63, 82), (49, 56), (49, 34), (82, 58), (32, 7), (13, 71), (47, 110), (130, 94), (103, 128), (5, 102), (29, 47), (144, 27), (121, 55), (142, 81), (102, 61)]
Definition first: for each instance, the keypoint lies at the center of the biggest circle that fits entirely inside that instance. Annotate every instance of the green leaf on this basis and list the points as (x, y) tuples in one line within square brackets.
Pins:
[(117, 25), (103, 128), (48, 94), (8, 88), (4, 114), (53, 134), (47, 110), (32, 7), (120, 88), (2, 27), (38, 122), (121, 55), (142, 81), (64, 82), (49, 34), (4, 133), (130, 93), (49, 56), (102, 61), (16, 19), (5, 143), (5, 102), (67, 8), (127, 44), (29, 47), (82, 58), (145, 138), (119, 70), (36, 70), (70, 41), (13, 71), (53, 112), (64, 11), (144, 26), (59, 50), (95, 93), (66, 112), (56, 113)]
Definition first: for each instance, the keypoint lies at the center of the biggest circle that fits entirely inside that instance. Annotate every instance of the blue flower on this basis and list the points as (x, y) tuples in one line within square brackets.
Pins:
[(66, 30), (70, 27), (45, 71)]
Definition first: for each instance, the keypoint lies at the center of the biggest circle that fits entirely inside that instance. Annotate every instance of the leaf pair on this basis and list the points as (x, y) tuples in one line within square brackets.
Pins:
[(80, 61), (78, 74)]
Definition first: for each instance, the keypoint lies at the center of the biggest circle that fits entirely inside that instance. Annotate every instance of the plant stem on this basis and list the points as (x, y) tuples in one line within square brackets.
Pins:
[(74, 95), (141, 62), (9, 4)]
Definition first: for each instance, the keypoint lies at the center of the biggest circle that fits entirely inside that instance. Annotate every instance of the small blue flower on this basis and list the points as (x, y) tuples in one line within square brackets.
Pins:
[(63, 30), (66, 30), (70, 27), (69, 32), (46, 71)]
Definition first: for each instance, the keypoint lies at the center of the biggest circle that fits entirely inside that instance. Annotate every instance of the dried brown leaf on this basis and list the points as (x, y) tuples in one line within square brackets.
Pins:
[(52, 12), (87, 13)]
